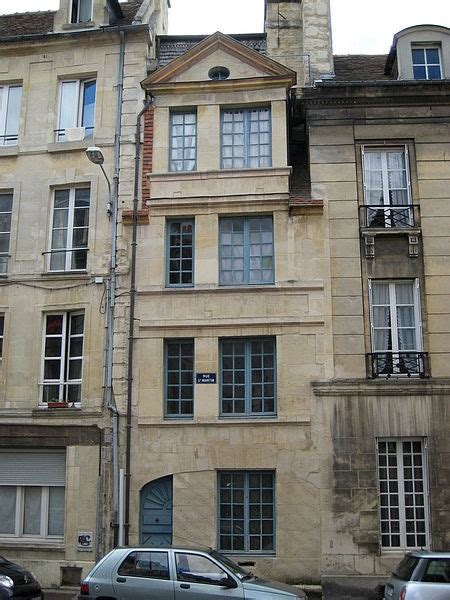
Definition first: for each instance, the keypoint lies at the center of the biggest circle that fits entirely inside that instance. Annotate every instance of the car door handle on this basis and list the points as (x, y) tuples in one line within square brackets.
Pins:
[(184, 586), (121, 579)]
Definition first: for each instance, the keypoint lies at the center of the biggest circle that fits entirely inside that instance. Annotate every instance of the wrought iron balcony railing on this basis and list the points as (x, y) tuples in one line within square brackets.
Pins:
[(387, 217), (397, 364)]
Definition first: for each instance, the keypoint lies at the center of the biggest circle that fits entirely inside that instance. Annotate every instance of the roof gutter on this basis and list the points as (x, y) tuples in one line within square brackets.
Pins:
[(51, 35)]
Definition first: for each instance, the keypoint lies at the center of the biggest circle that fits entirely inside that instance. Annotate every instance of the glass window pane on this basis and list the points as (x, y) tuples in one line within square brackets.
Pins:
[(32, 511), (56, 511), (7, 509), (68, 105)]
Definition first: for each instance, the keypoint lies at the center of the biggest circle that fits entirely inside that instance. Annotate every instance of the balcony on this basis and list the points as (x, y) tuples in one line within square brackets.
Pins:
[(392, 216), (389, 220), (397, 364)]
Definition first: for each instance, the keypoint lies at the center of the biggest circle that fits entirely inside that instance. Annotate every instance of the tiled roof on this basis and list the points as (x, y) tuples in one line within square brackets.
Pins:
[(171, 46), (26, 23), (36, 23), (360, 67)]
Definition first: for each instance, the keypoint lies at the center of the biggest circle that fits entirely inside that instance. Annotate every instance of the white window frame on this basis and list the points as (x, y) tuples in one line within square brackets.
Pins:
[(393, 313), (2, 333), (77, 117), (425, 47), (365, 150), (70, 248), (20, 514), (63, 381), (11, 139), (76, 8), (4, 256), (402, 492)]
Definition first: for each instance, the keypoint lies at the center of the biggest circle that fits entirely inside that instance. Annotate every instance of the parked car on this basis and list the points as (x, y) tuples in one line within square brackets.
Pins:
[(421, 575), (18, 582), (169, 573)]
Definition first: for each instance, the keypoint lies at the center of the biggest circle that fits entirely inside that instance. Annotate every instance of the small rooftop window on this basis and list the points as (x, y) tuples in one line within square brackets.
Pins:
[(426, 62), (81, 11), (219, 73)]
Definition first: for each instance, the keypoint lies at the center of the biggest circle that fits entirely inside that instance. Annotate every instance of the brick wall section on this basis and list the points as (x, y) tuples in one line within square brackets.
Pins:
[(147, 153)]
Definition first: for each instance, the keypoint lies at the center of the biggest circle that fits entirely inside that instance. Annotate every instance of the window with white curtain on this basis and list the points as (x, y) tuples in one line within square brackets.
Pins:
[(396, 325), (10, 100), (387, 188), (183, 141)]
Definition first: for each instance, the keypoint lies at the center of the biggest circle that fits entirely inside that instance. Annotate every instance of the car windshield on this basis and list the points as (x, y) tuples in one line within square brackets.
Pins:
[(405, 568), (236, 569)]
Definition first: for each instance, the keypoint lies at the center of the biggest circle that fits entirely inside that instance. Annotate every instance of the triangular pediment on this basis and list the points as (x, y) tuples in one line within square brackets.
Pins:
[(221, 50)]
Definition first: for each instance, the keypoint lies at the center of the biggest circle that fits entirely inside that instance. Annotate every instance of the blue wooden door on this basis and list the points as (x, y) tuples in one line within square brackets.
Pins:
[(156, 512)]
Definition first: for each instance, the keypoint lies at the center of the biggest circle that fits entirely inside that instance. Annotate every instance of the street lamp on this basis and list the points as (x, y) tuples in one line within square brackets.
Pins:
[(95, 155)]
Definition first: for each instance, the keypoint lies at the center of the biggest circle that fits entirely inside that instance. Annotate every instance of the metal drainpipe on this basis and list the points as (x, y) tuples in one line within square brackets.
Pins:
[(147, 103), (113, 209)]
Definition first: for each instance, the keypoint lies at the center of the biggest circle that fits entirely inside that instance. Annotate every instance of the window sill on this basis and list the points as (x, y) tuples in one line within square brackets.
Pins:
[(70, 146), (76, 26), (69, 274), (9, 150), (32, 543)]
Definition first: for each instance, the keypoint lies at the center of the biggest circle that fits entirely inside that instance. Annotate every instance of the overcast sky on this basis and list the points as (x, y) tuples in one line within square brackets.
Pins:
[(359, 26)]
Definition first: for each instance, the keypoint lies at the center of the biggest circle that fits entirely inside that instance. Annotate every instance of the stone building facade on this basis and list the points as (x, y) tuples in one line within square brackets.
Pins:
[(68, 80)]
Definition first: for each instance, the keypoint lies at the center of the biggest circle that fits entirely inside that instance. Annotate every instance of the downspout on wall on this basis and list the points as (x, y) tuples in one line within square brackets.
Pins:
[(113, 210), (147, 103)]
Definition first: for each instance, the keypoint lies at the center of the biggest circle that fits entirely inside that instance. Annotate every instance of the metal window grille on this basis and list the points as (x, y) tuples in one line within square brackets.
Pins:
[(426, 63), (63, 358), (179, 359), (183, 141), (70, 230), (180, 251), (248, 377), (246, 250), (10, 103), (403, 491), (246, 511), (6, 202), (246, 138)]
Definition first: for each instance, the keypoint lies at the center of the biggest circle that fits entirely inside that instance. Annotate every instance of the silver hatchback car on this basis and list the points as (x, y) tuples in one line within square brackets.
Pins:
[(421, 575), (170, 573)]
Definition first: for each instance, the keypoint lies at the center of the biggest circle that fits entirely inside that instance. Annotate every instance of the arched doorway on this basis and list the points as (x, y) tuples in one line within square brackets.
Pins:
[(156, 512)]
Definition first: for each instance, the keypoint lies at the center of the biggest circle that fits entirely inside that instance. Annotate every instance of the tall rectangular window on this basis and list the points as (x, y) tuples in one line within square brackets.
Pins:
[(76, 108), (32, 493), (246, 511), (2, 331), (396, 328), (426, 62), (180, 253), (10, 101), (183, 141), (248, 377), (246, 250), (6, 202), (179, 373), (81, 11), (63, 357), (387, 188), (70, 229), (246, 138), (403, 493)]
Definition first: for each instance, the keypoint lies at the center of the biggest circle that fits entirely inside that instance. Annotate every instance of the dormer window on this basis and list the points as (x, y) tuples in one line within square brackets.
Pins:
[(426, 62), (81, 11)]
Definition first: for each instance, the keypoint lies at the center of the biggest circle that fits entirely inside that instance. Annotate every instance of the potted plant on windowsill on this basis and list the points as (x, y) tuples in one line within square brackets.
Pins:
[(57, 404)]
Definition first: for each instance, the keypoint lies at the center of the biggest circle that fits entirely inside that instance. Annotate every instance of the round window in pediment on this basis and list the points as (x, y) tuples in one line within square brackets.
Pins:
[(218, 73)]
